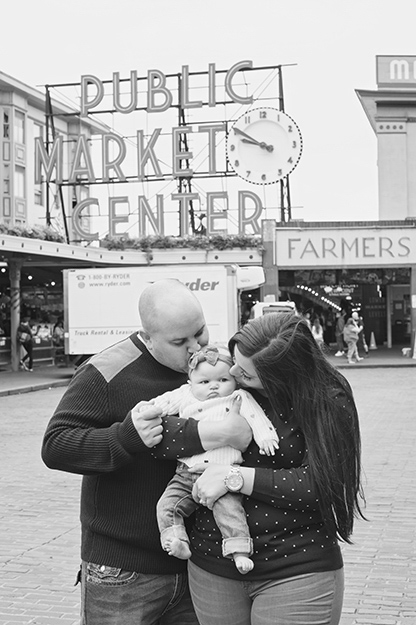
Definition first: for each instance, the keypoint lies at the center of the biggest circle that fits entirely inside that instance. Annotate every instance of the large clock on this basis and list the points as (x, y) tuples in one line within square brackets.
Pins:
[(264, 145)]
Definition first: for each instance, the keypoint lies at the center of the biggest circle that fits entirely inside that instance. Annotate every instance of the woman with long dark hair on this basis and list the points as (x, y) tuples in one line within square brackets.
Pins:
[(300, 503)]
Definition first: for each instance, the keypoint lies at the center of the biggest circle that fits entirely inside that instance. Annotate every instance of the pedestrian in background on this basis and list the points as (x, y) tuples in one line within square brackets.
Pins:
[(351, 332), (339, 333), (362, 343), (25, 338), (126, 577)]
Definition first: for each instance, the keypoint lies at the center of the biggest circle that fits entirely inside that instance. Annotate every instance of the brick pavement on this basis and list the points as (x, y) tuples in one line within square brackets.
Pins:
[(381, 566), (39, 542)]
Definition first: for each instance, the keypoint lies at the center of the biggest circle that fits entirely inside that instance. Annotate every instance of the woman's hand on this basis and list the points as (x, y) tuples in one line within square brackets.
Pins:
[(210, 485)]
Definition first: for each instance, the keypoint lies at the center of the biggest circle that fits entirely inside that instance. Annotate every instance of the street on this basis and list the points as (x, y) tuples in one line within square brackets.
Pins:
[(39, 542)]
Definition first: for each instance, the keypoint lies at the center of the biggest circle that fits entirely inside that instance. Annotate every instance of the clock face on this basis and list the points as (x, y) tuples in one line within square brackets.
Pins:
[(264, 145)]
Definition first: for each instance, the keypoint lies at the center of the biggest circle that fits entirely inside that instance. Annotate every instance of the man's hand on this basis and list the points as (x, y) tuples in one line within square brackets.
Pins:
[(148, 423), (233, 430)]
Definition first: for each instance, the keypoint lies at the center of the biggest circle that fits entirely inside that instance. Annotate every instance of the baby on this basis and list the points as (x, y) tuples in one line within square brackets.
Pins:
[(209, 394)]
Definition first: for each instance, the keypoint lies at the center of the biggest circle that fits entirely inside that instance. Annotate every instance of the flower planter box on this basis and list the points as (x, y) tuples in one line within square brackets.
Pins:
[(186, 256)]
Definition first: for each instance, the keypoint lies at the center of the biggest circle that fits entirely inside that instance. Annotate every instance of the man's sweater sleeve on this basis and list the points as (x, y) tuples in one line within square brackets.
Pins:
[(81, 436)]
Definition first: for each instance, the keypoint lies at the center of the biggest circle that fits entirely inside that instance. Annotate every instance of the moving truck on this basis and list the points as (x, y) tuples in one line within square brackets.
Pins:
[(101, 304)]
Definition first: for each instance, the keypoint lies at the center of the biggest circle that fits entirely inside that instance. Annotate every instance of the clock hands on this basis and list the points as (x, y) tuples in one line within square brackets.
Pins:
[(262, 144), (253, 141)]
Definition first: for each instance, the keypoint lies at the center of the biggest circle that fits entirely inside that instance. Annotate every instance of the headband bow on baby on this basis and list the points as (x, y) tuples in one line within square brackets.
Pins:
[(211, 355)]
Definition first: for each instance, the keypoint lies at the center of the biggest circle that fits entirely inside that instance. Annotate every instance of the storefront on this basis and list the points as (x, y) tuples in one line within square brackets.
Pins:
[(369, 266), (31, 281)]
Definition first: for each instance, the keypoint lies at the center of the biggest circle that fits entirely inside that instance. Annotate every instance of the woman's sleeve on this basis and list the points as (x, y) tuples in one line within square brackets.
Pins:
[(180, 436), (180, 439), (285, 488)]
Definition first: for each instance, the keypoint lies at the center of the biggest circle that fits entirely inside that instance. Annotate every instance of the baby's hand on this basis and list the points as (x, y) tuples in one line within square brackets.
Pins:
[(143, 404), (267, 447)]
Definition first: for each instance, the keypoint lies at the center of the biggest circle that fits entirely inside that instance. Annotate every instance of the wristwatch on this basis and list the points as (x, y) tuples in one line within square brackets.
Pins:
[(234, 481)]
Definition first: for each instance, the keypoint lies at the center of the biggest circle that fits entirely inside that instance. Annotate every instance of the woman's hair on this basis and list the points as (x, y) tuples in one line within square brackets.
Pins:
[(301, 384)]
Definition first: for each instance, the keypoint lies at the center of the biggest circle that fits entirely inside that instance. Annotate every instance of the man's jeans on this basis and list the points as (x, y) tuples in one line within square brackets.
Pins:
[(177, 503), (112, 596)]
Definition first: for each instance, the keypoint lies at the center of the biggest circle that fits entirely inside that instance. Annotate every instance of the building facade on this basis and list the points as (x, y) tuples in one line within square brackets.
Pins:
[(391, 111), (27, 114)]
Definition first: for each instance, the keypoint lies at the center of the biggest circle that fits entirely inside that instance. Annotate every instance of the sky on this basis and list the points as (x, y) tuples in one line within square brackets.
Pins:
[(329, 47)]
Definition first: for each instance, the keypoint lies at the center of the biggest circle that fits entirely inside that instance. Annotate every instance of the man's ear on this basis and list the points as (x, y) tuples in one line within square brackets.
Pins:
[(145, 337)]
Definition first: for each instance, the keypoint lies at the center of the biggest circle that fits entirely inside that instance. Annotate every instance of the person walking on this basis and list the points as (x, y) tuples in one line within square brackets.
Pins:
[(299, 503), (350, 334), (125, 575), (339, 330), (361, 343), (25, 338)]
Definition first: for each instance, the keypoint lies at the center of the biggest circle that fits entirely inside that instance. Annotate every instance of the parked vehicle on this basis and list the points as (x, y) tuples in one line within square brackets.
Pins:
[(263, 308), (101, 304)]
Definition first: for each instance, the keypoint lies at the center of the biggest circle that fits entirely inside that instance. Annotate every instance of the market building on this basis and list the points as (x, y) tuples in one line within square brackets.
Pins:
[(365, 266)]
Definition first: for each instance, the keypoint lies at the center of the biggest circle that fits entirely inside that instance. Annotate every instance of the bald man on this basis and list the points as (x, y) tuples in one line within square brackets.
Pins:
[(126, 577)]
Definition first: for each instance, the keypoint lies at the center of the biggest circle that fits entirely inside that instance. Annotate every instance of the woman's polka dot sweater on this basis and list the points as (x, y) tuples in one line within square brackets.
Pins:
[(283, 515)]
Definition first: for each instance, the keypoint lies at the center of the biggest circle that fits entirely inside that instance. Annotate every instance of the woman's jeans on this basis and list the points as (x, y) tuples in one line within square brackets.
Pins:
[(309, 599), (112, 596)]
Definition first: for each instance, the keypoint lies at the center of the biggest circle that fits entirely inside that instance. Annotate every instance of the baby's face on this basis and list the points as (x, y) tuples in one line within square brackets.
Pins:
[(208, 382)]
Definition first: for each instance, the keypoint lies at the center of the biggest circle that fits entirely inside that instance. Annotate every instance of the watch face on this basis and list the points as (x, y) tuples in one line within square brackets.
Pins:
[(234, 481), (264, 145)]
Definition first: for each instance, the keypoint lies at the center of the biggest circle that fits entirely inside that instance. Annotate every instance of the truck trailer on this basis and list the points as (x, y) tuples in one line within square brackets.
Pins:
[(101, 304)]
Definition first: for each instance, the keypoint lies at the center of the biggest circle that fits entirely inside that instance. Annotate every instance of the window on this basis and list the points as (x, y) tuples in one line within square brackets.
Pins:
[(19, 127), (6, 126), (20, 179), (6, 179)]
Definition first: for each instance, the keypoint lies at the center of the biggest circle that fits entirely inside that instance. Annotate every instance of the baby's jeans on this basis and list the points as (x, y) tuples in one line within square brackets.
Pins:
[(177, 503)]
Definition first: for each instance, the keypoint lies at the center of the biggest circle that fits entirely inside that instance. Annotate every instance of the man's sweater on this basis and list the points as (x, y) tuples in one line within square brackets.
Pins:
[(92, 433)]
